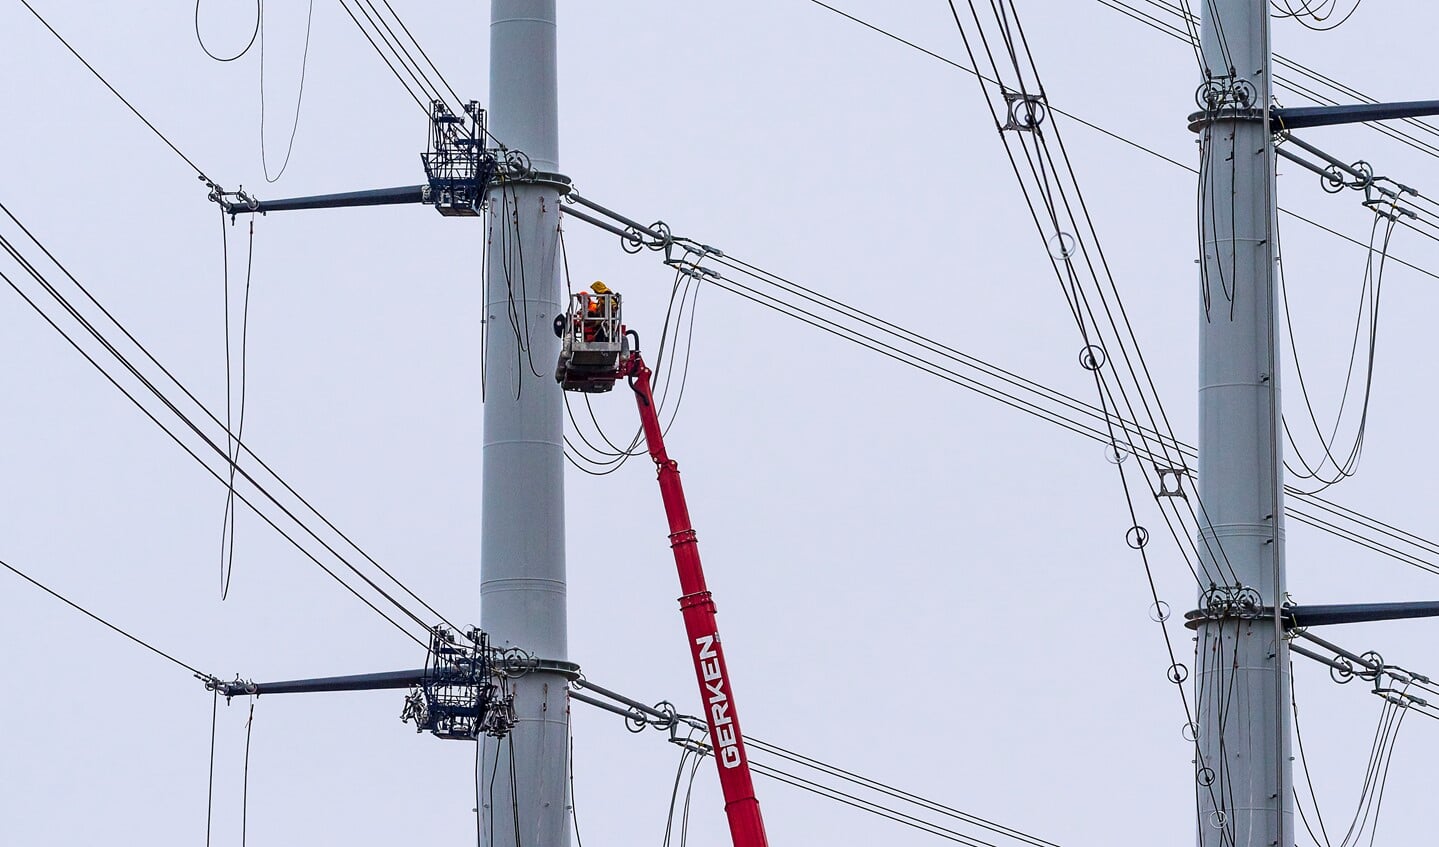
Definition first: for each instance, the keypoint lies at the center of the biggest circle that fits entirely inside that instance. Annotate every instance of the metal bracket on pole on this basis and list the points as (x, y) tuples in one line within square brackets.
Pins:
[(1308, 116), (371, 197), (1301, 617), (1283, 119), (461, 693)]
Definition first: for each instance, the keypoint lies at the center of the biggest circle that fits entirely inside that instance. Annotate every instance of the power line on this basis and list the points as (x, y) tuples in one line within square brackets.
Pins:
[(193, 427), (201, 41), (118, 95), (299, 96), (110, 626), (683, 728), (809, 306), (1109, 133)]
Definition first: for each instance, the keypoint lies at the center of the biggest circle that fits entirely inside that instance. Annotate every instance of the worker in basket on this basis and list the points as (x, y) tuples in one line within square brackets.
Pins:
[(600, 310)]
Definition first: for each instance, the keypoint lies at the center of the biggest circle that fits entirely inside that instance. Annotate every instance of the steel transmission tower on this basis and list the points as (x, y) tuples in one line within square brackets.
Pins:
[(524, 777), (1242, 771)]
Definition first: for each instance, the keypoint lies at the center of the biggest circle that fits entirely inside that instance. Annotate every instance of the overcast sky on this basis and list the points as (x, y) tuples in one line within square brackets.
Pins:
[(914, 582)]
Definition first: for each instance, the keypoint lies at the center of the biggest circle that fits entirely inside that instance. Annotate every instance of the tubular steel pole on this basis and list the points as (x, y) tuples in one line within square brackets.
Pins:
[(524, 789), (1242, 770), (698, 608)]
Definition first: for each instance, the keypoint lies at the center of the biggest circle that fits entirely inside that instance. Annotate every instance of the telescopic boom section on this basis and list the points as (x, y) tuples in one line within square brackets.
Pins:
[(745, 823), (595, 354)]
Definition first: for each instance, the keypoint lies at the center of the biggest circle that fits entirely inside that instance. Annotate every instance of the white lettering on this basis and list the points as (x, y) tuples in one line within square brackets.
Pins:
[(707, 646), (722, 728), (710, 668)]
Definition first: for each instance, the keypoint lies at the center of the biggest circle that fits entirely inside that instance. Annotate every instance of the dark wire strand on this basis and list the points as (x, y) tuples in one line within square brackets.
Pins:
[(227, 561), (201, 41), (118, 95), (1040, 165), (1304, 765), (479, 817), (387, 35), (97, 619), (1028, 406), (1368, 304), (210, 790), (514, 791), (398, 78), (299, 98), (235, 435), (245, 780), (574, 813), (426, 56), (1128, 141)]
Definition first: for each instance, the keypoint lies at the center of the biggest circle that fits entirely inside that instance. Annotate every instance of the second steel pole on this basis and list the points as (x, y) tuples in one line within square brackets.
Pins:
[(1243, 775)]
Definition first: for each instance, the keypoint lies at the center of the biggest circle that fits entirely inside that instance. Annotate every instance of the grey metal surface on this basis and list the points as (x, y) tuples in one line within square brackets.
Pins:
[(353, 682), (522, 550), (1304, 116), (1243, 774), (1360, 612), (369, 197)]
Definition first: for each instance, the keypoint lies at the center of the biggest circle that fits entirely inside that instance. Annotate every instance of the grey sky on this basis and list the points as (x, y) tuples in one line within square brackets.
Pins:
[(913, 582)]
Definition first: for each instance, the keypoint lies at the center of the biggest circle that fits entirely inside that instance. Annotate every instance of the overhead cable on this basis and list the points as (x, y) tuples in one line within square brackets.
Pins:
[(809, 306), (192, 426), (105, 623), (683, 728)]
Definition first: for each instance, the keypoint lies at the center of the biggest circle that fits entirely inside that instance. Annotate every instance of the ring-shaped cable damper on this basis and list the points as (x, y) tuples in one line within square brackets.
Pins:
[(1210, 94), (1243, 93), (666, 236), (517, 164), (1333, 180), (1115, 454), (1092, 357), (1216, 600), (1374, 665), (1190, 731), (671, 715), (1159, 611), (1137, 537), (1218, 818), (1178, 673), (1341, 670), (1062, 245), (515, 662), (1366, 175), (632, 241), (1204, 776), (635, 720)]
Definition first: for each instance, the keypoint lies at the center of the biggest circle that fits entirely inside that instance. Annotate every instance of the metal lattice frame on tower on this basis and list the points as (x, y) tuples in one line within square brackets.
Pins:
[(460, 696), (457, 164)]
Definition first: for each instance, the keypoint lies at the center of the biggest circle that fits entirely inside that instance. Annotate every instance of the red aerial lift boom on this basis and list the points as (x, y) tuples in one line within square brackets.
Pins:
[(595, 352)]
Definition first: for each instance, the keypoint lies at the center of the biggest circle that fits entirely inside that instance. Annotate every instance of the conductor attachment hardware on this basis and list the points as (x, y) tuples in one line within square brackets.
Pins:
[(457, 164), (459, 697), (1025, 111)]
